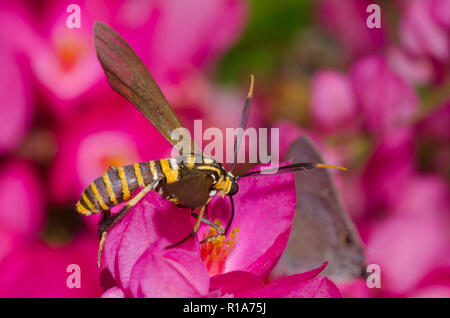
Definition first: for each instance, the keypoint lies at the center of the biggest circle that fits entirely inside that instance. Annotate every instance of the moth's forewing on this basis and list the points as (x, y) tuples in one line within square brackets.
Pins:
[(322, 230), (128, 76)]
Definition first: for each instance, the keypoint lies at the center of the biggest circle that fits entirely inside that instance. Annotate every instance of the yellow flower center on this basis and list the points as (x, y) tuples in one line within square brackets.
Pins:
[(215, 252), (69, 52)]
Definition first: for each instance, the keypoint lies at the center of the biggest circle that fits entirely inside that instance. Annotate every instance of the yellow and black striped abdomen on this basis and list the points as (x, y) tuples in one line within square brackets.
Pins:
[(117, 185)]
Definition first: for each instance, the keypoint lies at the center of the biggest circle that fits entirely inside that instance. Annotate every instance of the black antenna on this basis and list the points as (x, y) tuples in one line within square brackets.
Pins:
[(289, 168), (243, 123)]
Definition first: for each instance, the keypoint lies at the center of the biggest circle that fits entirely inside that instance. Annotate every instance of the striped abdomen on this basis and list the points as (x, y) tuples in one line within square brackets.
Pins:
[(118, 184)]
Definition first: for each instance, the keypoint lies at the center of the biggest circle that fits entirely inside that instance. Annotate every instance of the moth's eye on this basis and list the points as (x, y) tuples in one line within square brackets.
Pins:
[(234, 189), (346, 239)]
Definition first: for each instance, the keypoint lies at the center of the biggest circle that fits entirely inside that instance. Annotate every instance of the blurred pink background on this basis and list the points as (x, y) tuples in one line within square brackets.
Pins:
[(376, 100)]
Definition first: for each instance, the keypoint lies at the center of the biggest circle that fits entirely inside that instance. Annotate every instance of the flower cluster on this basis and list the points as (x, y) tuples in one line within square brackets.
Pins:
[(379, 106)]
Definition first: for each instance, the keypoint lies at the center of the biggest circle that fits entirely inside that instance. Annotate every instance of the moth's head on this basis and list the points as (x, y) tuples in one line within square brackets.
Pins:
[(234, 188), (227, 185)]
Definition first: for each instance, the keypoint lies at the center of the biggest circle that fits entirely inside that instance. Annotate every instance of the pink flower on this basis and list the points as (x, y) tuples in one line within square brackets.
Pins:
[(435, 284), (406, 248), (247, 285), (21, 199), (172, 39), (16, 108), (386, 100), (357, 289), (388, 170), (423, 192), (113, 134), (347, 20), (435, 125), (62, 59), (332, 101), (420, 31), (433, 134), (440, 10), (141, 267), (411, 244), (424, 33), (187, 36), (413, 69), (35, 269)]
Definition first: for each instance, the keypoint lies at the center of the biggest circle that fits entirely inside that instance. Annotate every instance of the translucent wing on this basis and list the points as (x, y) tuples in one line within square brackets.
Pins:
[(243, 123), (128, 76), (322, 230)]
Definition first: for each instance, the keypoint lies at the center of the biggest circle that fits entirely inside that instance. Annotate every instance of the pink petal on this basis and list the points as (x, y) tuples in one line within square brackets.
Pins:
[(424, 193), (173, 273), (154, 219), (114, 292), (435, 124), (436, 284), (437, 291), (319, 287), (236, 283), (15, 108), (64, 59), (388, 170), (265, 207), (35, 269), (104, 138), (415, 69), (356, 289), (347, 20), (421, 34), (304, 285), (333, 101), (406, 248), (21, 199), (386, 100), (208, 28), (440, 10)]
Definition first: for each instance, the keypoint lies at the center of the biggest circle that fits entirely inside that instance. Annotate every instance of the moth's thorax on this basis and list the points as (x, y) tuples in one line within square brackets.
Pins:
[(222, 180), (192, 181)]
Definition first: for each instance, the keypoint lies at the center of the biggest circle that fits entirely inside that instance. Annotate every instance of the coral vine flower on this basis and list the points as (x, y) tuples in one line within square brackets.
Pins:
[(21, 200), (34, 268), (344, 20), (236, 265), (62, 59), (333, 101), (386, 99), (421, 32), (105, 138), (16, 108)]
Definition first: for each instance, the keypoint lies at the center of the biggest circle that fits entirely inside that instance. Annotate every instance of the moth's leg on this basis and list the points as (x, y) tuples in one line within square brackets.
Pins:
[(211, 238), (105, 216), (210, 223), (108, 222), (194, 230)]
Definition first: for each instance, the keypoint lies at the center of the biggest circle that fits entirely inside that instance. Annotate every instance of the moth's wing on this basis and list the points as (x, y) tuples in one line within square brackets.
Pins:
[(193, 188), (128, 76), (322, 230)]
